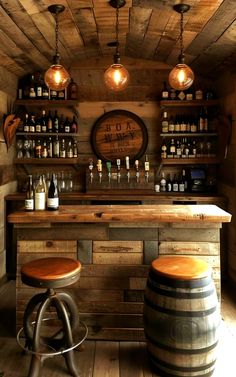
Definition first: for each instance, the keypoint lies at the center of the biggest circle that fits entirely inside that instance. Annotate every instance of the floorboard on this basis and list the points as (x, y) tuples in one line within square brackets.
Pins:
[(105, 358)]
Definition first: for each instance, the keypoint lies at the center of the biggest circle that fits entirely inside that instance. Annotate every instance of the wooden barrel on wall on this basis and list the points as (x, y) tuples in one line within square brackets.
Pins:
[(181, 317)]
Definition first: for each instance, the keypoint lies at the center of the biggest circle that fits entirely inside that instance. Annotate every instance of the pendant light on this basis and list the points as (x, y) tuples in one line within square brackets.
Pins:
[(116, 77), (56, 77), (181, 77)]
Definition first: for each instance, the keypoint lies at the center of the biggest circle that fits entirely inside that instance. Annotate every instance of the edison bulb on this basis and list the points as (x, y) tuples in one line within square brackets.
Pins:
[(116, 77), (181, 77), (56, 77)]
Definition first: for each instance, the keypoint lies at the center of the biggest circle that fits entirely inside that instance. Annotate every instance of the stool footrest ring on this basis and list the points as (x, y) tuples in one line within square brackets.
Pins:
[(54, 352)]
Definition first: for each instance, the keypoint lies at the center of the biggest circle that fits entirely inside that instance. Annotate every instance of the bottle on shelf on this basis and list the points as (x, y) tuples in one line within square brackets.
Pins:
[(32, 91), (56, 147), (177, 124), (49, 122), (61, 94), (52, 94), (74, 125), (72, 90), (62, 124), (165, 122), (69, 150), (172, 94), (44, 152), (169, 183), (32, 123), (182, 182), (67, 126), (38, 149), (43, 121), (40, 195), (52, 195), (39, 86), (175, 186), (62, 149), (38, 125), (165, 92), (45, 92), (163, 182), (199, 94), (172, 149), (55, 125), (75, 149), (171, 126), (50, 147), (29, 199), (26, 123), (164, 150)]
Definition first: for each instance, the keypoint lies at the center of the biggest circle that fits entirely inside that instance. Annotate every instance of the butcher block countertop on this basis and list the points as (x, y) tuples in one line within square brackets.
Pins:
[(123, 213)]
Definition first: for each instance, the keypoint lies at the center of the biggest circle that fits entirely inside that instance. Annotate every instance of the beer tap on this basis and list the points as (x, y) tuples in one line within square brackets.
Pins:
[(137, 170), (146, 168), (127, 167), (99, 168), (91, 170), (118, 169), (108, 165)]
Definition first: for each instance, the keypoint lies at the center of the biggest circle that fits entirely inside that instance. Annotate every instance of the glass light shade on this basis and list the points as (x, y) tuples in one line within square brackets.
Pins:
[(181, 77), (116, 77), (56, 77)]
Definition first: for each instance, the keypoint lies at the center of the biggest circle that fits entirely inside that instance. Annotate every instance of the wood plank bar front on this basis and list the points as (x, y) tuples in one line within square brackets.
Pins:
[(115, 244)]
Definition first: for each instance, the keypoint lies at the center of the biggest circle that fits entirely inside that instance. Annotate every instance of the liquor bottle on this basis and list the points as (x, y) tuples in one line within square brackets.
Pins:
[(164, 93), (56, 147), (172, 150), (53, 94), (193, 125), (50, 147), (62, 149), (55, 126), (169, 183), (74, 125), (62, 124), (177, 124), (44, 152), (61, 94), (69, 150), (199, 94), (178, 149), (72, 90), (172, 94), (26, 123), (171, 127), (175, 184), (40, 195), (49, 122), (146, 164), (75, 149), (43, 121), (39, 86), (184, 178), (52, 196), (38, 125), (163, 182), (182, 182), (165, 122), (164, 150), (183, 125), (32, 91), (29, 199), (32, 123), (45, 92), (67, 125), (38, 149)]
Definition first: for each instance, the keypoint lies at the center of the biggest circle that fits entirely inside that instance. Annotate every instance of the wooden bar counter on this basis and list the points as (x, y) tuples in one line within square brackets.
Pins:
[(115, 244)]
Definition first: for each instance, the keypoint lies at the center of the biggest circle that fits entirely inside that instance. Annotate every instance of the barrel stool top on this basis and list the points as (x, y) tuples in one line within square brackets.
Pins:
[(181, 267), (52, 272)]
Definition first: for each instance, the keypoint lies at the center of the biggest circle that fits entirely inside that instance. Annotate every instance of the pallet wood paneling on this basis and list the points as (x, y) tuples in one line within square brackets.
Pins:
[(120, 258)]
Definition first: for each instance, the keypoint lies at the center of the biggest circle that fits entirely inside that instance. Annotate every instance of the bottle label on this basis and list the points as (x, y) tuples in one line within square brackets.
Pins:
[(181, 187), (40, 201), (52, 203), (29, 204)]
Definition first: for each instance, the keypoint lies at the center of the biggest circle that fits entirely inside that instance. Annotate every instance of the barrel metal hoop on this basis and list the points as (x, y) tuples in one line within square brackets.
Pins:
[(183, 295), (176, 368), (181, 350), (180, 313), (179, 283)]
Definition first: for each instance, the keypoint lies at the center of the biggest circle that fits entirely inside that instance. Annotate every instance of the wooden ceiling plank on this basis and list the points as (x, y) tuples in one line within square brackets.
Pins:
[(14, 32), (139, 20), (222, 18)]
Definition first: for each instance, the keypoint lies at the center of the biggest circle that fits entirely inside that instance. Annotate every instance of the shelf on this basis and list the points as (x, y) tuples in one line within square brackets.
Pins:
[(42, 134), (188, 134), (41, 102), (46, 161), (185, 103), (190, 161)]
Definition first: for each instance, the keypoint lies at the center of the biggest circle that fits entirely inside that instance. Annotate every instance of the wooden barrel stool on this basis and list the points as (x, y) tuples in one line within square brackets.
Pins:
[(50, 273), (181, 317)]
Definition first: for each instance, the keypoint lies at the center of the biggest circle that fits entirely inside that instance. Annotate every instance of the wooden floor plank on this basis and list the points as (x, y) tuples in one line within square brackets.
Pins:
[(106, 362)]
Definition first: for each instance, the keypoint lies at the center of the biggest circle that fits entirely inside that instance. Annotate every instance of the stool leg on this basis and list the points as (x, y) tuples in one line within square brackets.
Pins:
[(34, 301), (69, 356), (74, 315), (35, 363)]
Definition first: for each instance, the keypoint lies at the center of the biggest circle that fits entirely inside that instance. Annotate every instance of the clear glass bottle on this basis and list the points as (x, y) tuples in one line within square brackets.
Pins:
[(62, 149), (56, 147), (69, 150), (29, 199), (52, 196), (40, 195)]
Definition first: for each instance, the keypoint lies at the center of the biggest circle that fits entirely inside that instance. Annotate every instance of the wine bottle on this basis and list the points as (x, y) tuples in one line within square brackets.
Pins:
[(52, 197), (164, 93), (40, 195), (74, 125), (29, 199)]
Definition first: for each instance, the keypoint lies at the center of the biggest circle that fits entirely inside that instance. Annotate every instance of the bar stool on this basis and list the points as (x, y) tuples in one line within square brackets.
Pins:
[(181, 317), (51, 273)]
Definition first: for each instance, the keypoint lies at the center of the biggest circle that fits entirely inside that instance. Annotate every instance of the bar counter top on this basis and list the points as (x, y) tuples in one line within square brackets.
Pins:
[(123, 213)]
